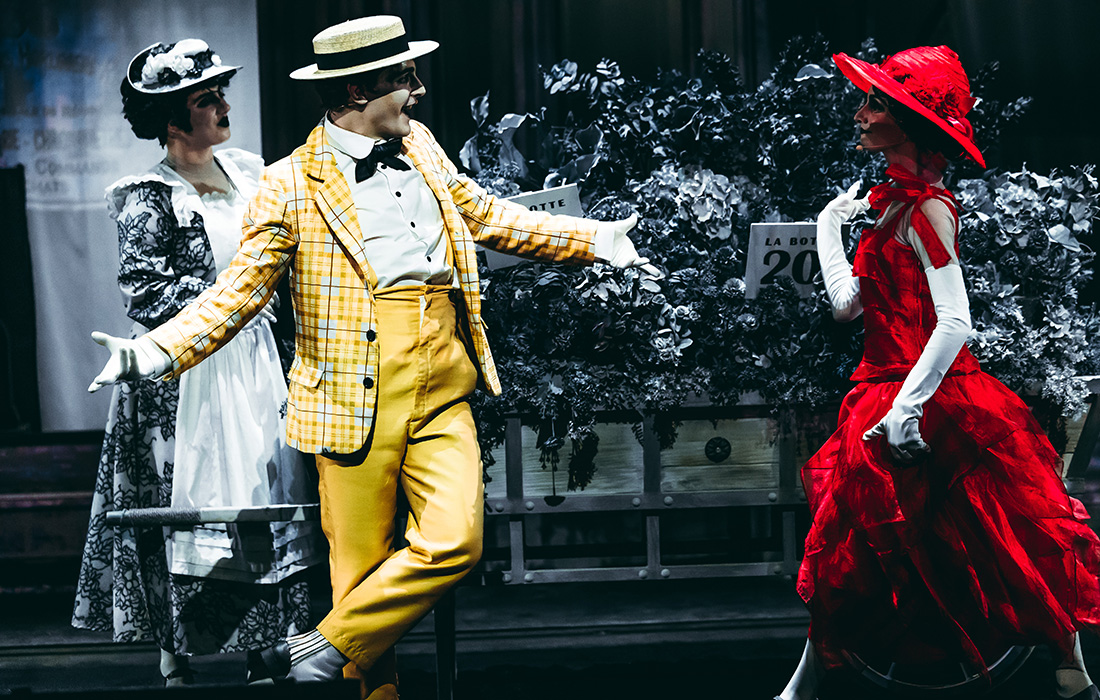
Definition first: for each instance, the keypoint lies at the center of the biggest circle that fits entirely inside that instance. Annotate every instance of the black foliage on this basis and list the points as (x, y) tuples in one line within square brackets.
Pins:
[(699, 159)]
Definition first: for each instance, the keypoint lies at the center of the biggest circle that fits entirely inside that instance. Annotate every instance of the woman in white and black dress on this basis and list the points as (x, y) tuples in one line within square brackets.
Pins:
[(214, 437)]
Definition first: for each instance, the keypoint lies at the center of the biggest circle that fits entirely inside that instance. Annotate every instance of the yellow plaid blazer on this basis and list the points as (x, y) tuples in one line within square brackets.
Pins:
[(303, 219)]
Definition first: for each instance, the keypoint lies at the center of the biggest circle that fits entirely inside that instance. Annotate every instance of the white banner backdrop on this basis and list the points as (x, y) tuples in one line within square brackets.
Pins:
[(61, 63)]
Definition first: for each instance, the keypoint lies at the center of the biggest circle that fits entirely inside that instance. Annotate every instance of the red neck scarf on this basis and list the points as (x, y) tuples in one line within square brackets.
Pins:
[(906, 187)]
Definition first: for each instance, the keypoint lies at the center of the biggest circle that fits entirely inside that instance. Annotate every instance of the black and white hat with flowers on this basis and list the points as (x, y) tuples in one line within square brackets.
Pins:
[(164, 68)]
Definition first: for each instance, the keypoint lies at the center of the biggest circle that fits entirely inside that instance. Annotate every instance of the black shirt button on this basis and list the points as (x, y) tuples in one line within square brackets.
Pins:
[(397, 193), (429, 258), (368, 382), (412, 223), (371, 335)]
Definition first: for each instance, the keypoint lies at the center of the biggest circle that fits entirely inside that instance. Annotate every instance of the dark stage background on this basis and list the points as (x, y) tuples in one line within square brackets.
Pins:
[(1046, 50), (739, 637)]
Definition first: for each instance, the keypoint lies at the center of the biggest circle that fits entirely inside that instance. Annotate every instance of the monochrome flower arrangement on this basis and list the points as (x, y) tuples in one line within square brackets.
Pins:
[(1029, 268), (701, 159)]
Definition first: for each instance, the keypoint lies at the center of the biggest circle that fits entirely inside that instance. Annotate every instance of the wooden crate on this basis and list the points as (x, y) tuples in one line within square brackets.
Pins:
[(730, 477), (722, 455), (618, 459)]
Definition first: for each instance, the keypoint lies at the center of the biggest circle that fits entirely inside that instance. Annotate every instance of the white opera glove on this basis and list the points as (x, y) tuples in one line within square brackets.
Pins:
[(612, 244), (140, 358), (901, 424), (840, 285)]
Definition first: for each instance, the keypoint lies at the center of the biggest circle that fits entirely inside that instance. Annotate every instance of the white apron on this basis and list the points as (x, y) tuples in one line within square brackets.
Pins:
[(231, 430)]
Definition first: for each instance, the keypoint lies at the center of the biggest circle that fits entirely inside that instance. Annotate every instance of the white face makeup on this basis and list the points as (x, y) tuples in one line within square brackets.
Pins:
[(878, 129), (209, 118), (397, 92)]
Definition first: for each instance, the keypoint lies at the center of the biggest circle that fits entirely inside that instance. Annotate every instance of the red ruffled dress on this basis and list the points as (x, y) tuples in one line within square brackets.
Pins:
[(973, 548)]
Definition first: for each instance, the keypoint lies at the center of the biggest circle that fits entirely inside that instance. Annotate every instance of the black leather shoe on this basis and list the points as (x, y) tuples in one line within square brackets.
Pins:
[(270, 665)]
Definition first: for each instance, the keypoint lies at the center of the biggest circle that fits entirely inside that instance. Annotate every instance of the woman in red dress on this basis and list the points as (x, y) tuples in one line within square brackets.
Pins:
[(941, 526)]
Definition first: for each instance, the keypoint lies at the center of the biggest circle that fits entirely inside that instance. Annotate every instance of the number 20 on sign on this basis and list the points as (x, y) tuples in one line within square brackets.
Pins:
[(781, 250)]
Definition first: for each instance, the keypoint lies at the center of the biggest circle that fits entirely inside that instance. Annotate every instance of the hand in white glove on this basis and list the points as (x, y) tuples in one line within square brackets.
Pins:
[(901, 425), (267, 313), (902, 433), (130, 359), (612, 244), (845, 205), (840, 285), (271, 307)]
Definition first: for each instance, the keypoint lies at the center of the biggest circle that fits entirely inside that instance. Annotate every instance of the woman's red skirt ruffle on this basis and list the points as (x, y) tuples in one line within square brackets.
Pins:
[(971, 549)]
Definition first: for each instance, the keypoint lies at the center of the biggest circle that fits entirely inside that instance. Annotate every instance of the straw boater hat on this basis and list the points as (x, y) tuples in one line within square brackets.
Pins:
[(164, 68), (929, 80), (361, 45)]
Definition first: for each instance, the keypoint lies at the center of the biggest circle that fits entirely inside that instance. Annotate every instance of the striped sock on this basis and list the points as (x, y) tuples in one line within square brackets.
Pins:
[(303, 646), (313, 658)]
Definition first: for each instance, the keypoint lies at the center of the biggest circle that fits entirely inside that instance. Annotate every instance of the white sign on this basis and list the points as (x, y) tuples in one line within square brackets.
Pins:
[(556, 200), (781, 250)]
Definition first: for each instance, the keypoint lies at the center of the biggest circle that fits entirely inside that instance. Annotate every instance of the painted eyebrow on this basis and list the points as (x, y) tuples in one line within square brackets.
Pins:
[(209, 95)]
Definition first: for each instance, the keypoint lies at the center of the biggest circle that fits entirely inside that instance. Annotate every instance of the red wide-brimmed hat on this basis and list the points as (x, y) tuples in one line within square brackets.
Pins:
[(929, 80)]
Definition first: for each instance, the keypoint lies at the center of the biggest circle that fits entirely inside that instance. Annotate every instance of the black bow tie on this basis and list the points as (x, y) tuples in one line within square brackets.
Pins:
[(385, 152)]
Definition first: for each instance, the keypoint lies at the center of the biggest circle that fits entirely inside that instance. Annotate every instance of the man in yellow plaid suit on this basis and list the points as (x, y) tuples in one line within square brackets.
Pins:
[(377, 229)]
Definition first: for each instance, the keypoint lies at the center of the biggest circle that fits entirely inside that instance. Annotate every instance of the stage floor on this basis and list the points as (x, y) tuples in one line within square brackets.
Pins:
[(723, 638), (728, 639)]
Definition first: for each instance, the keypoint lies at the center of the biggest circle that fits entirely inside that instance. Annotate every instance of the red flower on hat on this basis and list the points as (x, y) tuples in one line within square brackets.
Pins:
[(927, 79), (934, 76)]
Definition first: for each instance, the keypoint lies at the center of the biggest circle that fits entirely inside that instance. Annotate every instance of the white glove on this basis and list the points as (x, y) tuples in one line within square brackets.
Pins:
[(267, 313), (612, 244), (130, 359), (840, 285), (901, 424)]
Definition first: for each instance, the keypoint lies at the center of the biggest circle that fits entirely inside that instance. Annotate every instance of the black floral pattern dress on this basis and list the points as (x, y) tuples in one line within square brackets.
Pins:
[(125, 586)]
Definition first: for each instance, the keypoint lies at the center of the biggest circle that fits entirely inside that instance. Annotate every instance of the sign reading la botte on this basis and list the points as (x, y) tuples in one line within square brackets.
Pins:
[(555, 200), (781, 250)]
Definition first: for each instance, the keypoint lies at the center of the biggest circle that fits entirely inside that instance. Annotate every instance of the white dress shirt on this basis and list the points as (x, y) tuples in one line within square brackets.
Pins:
[(398, 214)]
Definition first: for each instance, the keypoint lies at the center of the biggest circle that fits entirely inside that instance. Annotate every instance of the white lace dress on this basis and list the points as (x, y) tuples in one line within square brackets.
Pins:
[(216, 437)]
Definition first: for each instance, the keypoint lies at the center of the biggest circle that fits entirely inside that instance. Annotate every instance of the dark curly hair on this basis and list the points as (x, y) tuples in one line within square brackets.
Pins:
[(150, 115), (923, 132), (333, 92)]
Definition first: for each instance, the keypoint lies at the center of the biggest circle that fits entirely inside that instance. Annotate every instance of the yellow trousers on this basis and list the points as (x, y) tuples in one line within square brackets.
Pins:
[(425, 443)]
